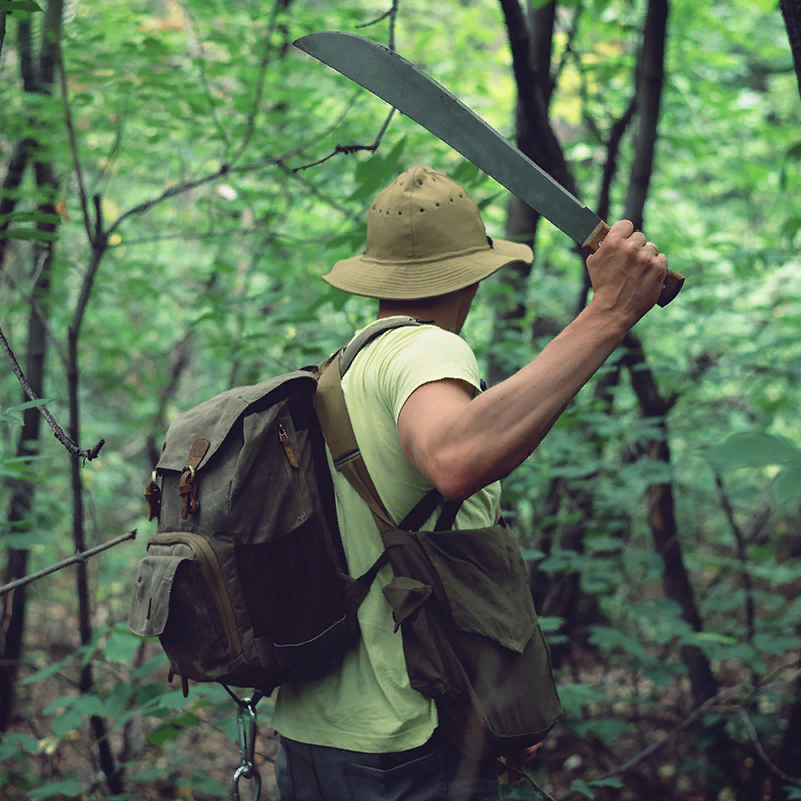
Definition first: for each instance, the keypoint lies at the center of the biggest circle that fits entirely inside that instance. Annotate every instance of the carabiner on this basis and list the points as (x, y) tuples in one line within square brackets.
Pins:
[(247, 750), (245, 773)]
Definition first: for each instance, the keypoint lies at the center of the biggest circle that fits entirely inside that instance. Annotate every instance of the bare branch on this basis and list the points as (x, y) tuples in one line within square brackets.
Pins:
[(761, 751), (742, 555), (79, 557), (204, 81), (265, 60), (31, 301), (58, 432), (715, 703), (349, 149), (115, 149), (74, 144)]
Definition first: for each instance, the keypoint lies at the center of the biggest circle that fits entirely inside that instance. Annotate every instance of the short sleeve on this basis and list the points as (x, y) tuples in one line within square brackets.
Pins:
[(410, 357)]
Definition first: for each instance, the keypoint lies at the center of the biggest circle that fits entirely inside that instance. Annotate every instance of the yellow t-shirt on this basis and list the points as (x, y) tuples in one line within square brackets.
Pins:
[(367, 704)]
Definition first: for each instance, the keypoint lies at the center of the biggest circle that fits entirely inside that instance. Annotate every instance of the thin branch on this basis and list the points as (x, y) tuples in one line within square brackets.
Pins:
[(392, 13), (115, 149), (349, 149), (220, 234), (711, 704), (58, 432), (568, 51), (73, 144), (318, 193), (523, 775), (761, 751), (31, 301), (204, 80), (265, 61), (79, 557), (742, 555)]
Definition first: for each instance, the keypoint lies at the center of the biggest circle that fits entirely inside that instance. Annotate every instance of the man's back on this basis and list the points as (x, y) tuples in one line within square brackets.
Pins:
[(368, 705)]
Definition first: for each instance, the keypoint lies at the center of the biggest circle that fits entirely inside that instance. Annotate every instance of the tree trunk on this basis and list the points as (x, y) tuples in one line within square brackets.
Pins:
[(791, 11), (36, 79)]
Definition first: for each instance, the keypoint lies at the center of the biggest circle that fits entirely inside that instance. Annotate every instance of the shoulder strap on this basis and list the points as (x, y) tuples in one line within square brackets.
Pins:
[(329, 402), (373, 331)]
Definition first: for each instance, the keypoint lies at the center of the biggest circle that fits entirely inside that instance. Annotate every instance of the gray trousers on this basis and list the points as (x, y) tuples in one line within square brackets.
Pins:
[(435, 771)]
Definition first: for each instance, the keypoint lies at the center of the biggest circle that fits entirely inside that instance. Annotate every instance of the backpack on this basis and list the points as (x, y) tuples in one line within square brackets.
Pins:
[(246, 582)]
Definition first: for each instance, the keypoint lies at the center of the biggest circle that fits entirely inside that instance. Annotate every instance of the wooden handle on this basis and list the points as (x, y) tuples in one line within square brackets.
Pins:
[(673, 281)]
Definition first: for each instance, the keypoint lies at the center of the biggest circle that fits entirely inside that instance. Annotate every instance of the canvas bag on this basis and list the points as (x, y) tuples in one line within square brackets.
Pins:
[(246, 581), (461, 599)]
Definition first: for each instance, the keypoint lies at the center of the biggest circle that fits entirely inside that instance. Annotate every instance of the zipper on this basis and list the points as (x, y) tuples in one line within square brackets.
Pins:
[(212, 575), (287, 445)]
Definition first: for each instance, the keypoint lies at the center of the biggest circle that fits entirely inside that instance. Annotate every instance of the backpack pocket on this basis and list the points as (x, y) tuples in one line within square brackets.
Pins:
[(296, 599), (473, 643), (180, 596)]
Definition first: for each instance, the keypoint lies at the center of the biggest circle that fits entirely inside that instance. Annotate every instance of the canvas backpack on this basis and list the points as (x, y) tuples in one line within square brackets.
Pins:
[(246, 581)]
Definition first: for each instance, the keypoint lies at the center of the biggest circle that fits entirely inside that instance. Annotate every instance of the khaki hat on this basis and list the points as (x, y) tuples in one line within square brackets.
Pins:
[(425, 237)]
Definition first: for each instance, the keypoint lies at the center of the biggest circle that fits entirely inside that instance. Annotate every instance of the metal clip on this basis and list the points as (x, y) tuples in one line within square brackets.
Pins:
[(247, 751)]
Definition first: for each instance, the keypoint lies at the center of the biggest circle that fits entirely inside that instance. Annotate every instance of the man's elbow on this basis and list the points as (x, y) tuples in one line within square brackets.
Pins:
[(457, 481)]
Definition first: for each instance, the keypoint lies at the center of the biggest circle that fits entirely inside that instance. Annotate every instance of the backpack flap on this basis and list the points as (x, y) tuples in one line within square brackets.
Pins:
[(217, 457), (150, 604)]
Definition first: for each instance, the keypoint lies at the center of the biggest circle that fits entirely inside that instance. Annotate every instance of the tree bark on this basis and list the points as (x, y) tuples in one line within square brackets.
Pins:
[(35, 79), (791, 11)]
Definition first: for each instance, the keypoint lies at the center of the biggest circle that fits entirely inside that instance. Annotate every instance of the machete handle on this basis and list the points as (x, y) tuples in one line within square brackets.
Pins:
[(674, 281)]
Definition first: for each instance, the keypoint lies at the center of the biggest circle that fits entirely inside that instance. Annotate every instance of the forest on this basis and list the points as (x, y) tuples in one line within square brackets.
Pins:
[(176, 177)]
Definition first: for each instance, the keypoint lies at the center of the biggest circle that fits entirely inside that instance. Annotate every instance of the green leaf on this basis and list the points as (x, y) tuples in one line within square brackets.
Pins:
[(121, 645), (24, 542), (753, 449), (22, 233), (163, 734), (787, 484), (48, 671), (580, 786), (30, 216), (27, 405), (612, 781), (15, 744), (67, 787), (148, 667)]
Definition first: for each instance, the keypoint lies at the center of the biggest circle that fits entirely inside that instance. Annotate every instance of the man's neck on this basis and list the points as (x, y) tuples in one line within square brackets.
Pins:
[(447, 311)]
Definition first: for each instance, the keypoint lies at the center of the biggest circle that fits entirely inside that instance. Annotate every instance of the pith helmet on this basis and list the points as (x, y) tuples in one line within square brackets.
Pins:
[(425, 237)]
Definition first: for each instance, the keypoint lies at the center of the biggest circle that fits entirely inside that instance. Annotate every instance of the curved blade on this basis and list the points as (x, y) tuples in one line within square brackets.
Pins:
[(397, 81)]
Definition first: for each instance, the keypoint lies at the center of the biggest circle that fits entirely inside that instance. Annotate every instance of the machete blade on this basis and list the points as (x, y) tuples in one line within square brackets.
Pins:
[(397, 81)]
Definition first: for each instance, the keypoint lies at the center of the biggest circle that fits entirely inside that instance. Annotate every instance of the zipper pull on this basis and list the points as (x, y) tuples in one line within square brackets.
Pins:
[(290, 453)]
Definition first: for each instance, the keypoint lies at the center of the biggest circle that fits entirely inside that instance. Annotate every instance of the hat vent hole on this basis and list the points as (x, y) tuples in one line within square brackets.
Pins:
[(437, 204), (422, 209), (400, 212)]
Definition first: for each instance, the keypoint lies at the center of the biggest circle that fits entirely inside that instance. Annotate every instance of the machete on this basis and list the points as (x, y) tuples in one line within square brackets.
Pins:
[(397, 81)]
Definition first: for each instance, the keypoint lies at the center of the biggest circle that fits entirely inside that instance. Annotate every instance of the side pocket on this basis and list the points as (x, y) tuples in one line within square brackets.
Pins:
[(173, 600), (150, 605)]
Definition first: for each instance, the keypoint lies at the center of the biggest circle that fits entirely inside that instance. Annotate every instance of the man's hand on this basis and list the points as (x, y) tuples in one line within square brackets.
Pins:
[(627, 273)]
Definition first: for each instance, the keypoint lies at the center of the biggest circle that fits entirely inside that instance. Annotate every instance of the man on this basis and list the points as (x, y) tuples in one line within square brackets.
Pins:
[(420, 419)]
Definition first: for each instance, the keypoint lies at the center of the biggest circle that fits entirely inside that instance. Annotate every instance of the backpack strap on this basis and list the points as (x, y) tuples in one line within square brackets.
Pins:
[(329, 402)]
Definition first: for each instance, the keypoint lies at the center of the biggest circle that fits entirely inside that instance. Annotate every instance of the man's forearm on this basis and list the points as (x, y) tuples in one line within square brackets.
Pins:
[(490, 436)]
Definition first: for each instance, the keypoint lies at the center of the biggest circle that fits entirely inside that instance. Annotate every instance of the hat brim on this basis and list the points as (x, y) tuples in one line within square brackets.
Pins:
[(424, 278)]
